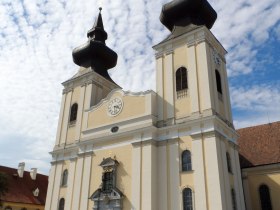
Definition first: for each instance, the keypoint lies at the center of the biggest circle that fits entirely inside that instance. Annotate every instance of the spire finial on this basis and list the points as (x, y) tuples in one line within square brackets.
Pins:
[(100, 8)]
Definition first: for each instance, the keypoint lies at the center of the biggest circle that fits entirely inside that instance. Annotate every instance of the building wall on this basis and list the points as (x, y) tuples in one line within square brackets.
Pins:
[(254, 177)]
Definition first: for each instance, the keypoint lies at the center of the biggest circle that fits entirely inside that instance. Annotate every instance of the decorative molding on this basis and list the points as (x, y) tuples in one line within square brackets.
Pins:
[(123, 93)]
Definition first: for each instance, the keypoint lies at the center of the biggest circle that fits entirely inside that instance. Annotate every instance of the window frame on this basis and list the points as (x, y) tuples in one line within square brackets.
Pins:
[(187, 196), (73, 113), (64, 179), (181, 79), (186, 161), (229, 165), (61, 204), (219, 86), (266, 199)]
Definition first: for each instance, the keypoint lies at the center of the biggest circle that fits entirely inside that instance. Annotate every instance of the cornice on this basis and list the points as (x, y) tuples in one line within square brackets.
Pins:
[(191, 38)]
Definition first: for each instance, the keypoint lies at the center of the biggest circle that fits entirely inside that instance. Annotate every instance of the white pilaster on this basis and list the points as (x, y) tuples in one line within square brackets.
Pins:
[(224, 169), (57, 184), (146, 177), (160, 87), (136, 177), (86, 105), (203, 76), (77, 183), (174, 182), (168, 86), (86, 182), (247, 195), (193, 80), (65, 121), (59, 127), (237, 180), (80, 113), (50, 188), (70, 184), (162, 178), (199, 174), (215, 182)]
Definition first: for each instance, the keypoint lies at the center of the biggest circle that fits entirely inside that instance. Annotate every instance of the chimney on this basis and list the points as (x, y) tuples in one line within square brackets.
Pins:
[(21, 169), (33, 173)]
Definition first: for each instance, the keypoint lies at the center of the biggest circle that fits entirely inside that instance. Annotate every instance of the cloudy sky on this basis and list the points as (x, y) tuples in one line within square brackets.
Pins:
[(36, 42)]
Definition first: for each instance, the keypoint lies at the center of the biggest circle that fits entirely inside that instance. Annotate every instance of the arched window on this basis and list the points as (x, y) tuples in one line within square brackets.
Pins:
[(64, 178), (229, 163), (73, 113), (265, 197), (233, 199), (181, 79), (186, 161), (218, 81), (61, 204), (187, 199)]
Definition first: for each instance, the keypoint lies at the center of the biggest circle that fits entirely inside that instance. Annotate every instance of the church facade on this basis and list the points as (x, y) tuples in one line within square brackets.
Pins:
[(173, 149)]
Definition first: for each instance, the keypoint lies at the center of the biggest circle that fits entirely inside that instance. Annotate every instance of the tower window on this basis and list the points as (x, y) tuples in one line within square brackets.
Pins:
[(228, 162), (186, 161), (61, 204), (265, 197), (181, 79), (107, 180), (187, 199), (73, 113), (218, 82), (233, 199), (64, 178)]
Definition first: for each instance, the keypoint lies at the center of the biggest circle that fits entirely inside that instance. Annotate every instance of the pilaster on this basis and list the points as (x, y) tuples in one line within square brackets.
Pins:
[(57, 184), (169, 86), (160, 87), (65, 121), (200, 198), (70, 183), (80, 113), (78, 183), (60, 120), (193, 87)]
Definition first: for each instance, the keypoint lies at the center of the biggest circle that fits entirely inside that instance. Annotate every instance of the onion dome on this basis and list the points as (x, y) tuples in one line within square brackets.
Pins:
[(94, 53), (186, 12)]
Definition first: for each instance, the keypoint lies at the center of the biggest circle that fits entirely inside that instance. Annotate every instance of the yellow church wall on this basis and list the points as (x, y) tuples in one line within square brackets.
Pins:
[(123, 156), (182, 107), (180, 58), (99, 116), (272, 180)]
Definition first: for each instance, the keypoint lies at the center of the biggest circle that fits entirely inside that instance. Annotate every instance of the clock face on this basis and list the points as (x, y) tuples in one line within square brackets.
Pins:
[(115, 106)]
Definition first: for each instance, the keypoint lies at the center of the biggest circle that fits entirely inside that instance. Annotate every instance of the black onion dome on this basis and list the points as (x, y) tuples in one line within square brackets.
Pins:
[(186, 12), (94, 53)]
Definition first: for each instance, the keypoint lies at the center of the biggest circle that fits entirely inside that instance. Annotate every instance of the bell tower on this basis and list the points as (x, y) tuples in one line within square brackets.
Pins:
[(193, 96), (191, 65)]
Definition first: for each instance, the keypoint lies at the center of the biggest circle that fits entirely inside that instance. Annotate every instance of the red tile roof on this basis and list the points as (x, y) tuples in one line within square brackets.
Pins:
[(21, 189), (259, 145)]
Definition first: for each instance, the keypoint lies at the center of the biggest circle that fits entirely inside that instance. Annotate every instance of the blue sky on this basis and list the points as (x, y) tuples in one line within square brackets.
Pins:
[(36, 42)]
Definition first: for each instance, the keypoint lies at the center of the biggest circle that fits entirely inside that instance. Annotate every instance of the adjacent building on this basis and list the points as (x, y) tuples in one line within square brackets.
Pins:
[(259, 148), (26, 190)]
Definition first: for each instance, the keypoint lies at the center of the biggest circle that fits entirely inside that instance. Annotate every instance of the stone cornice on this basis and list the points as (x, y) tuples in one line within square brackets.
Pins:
[(191, 38)]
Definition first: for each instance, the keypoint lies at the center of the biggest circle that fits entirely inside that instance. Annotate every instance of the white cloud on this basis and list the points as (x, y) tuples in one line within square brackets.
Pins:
[(37, 37)]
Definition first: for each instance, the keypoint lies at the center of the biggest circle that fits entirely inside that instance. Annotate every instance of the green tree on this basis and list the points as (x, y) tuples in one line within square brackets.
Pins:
[(3, 185)]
